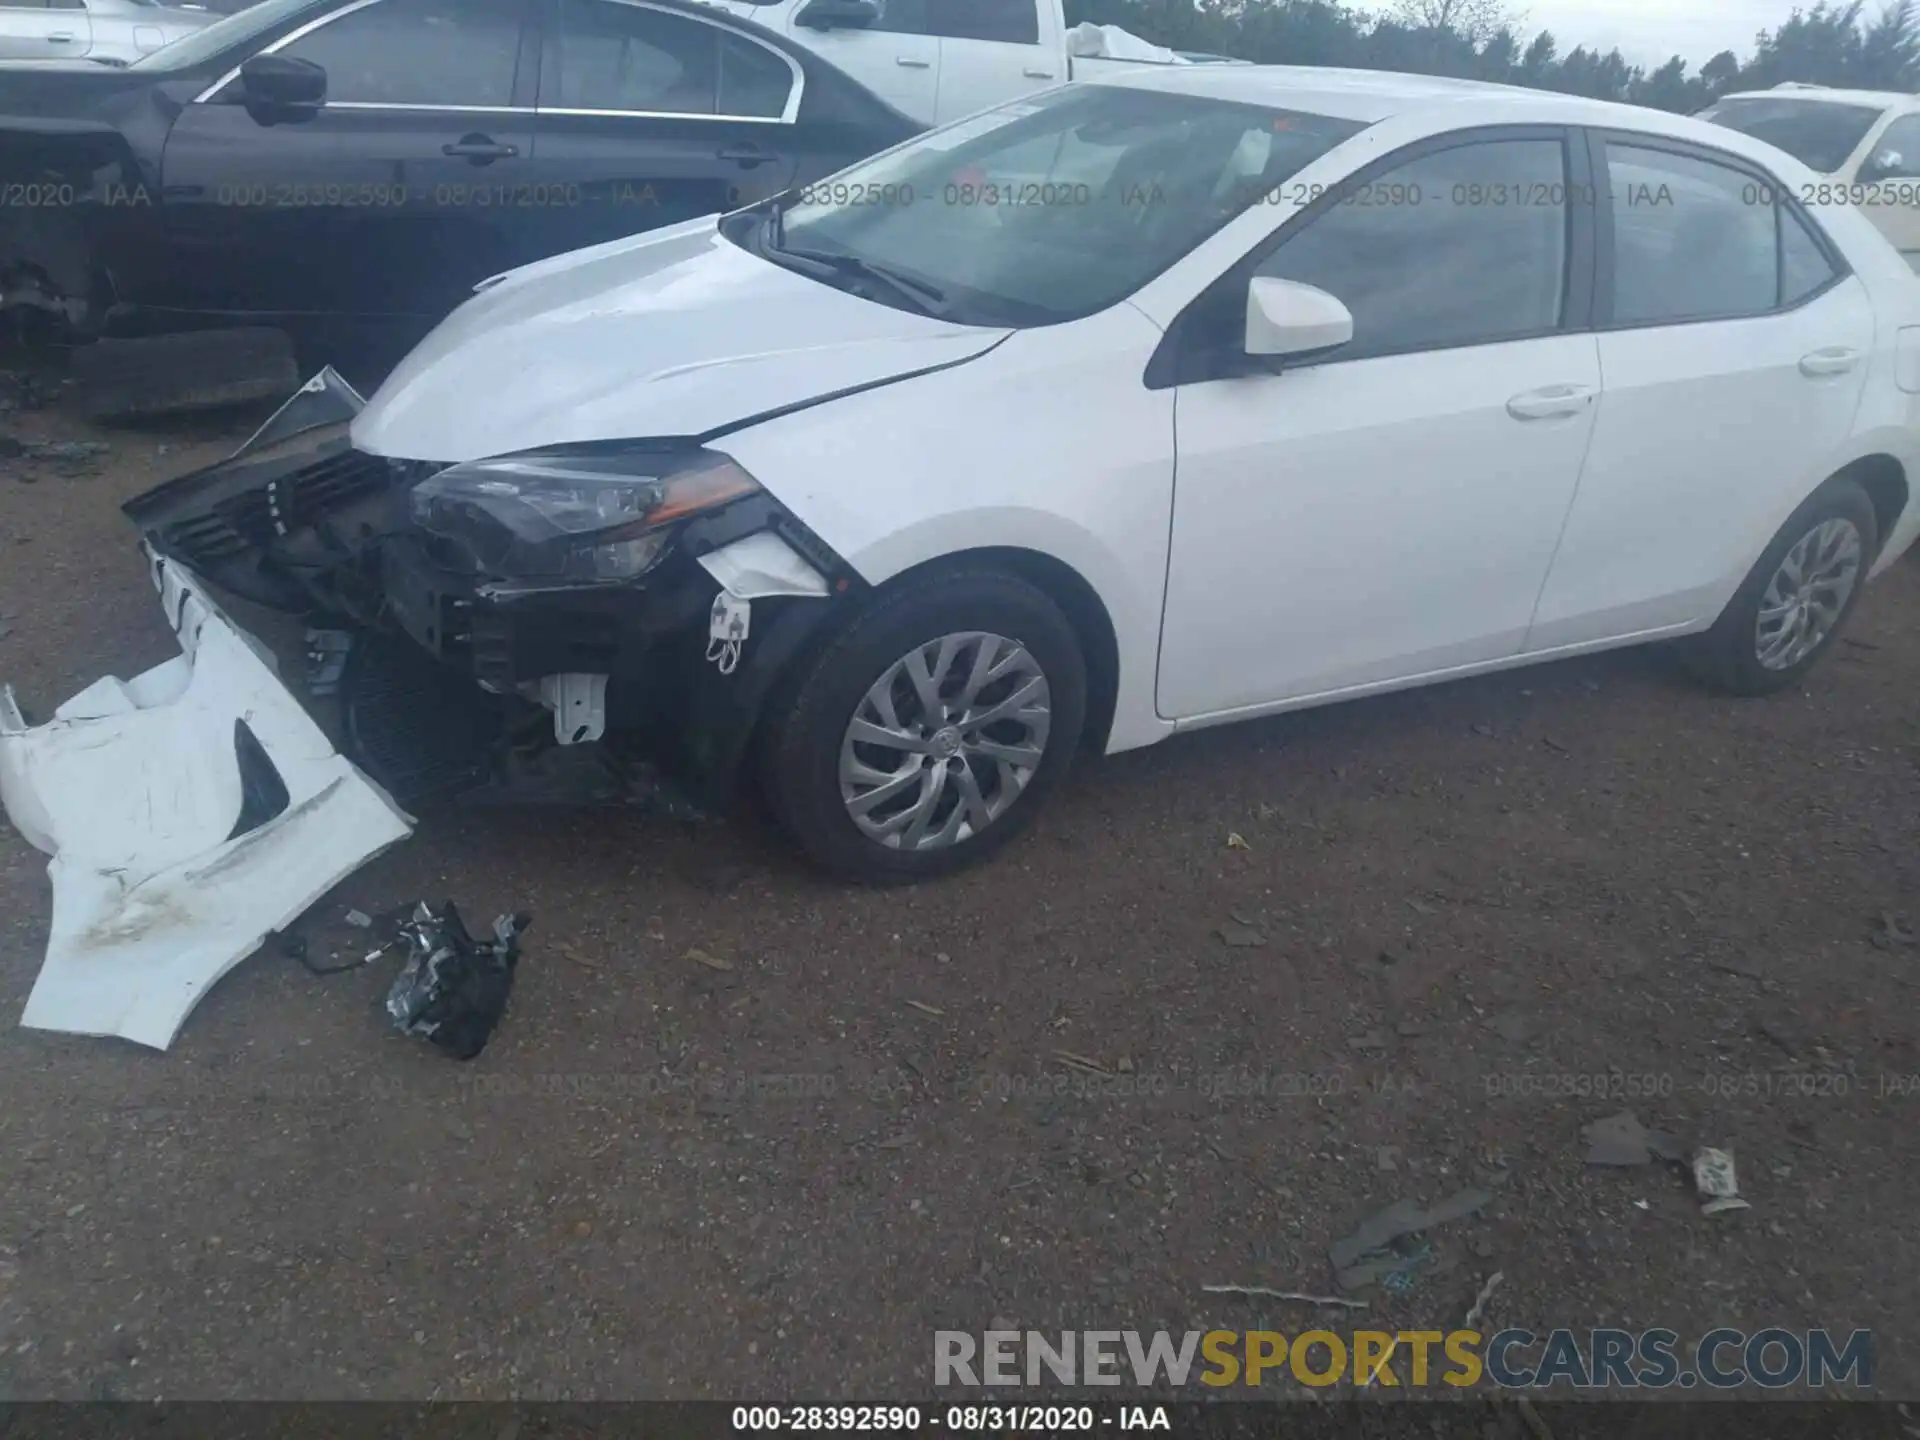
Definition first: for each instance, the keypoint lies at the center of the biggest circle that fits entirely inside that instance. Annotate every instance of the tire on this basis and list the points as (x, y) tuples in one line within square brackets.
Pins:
[(193, 370), (951, 613), (1728, 657)]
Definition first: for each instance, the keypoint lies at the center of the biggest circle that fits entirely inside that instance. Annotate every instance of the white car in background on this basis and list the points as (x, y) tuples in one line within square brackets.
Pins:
[(940, 60), (1863, 146), (113, 32), (1299, 385)]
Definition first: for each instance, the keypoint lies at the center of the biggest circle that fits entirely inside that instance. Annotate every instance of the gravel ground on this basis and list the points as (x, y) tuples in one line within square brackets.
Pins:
[(666, 1179)]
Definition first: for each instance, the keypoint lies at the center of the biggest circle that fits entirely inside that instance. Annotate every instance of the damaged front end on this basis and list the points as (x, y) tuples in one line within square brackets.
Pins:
[(572, 598)]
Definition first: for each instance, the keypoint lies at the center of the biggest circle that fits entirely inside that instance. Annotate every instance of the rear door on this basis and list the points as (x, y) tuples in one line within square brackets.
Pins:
[(993, 51), (898, 59), (402, 193), (649, 116), (53, 30), (1733, 349), (1890, 186)]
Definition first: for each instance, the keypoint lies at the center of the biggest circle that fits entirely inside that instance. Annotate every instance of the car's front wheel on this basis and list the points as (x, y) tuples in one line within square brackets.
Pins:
[(928, 731), (1790, 609)]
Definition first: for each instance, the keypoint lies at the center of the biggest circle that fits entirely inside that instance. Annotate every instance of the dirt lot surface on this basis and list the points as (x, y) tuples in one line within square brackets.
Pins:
[(665, 1179)]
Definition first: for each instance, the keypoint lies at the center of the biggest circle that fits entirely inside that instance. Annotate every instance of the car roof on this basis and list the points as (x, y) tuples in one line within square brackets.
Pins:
[(1822, 95)]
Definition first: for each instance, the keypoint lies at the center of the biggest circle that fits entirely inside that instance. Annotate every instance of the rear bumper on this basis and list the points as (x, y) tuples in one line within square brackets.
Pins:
[(189, 813)]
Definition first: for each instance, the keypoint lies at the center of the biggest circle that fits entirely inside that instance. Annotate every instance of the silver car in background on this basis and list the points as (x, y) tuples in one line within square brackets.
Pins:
[(113, 32)]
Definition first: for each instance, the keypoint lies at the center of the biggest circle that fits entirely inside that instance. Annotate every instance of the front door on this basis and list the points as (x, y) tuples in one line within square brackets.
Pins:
[(650, 116), (1389, 511), (992, 51), (1735, 352), (402, 193)]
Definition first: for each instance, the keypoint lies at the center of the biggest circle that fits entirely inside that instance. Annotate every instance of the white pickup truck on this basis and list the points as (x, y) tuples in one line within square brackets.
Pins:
[(938, 60)]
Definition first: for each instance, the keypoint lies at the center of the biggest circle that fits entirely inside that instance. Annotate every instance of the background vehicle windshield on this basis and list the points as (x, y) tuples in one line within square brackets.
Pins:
[(1056, 207), (229, 30), (1817, 133)]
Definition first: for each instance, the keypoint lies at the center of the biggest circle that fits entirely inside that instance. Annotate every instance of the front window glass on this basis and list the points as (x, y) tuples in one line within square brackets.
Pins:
[(1055, 207), (1897, 155), (1818, 133), (1466, 246), (418, 52)]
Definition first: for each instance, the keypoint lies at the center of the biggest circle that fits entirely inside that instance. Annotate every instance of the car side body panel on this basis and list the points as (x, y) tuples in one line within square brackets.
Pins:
[(1051, 445)]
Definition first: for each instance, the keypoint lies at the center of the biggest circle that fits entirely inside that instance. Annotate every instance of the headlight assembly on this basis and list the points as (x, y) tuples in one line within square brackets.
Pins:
[(586, 518)]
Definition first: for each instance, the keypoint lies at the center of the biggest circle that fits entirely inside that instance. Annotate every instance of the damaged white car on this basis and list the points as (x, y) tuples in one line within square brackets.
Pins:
[(1134, 407)]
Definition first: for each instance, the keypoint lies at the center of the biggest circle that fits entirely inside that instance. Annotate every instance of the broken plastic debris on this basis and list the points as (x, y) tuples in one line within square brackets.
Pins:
[(1403, 1217), (190, 813), (1622, 1140), (453, 989), (1713, 1177)]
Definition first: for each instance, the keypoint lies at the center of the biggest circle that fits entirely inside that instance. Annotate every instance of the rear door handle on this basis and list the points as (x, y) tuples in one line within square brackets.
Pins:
[(1835, 360), (478, 148), (65, 37), (908, 62), (747, 157), (1553, 402), (1038, 74)]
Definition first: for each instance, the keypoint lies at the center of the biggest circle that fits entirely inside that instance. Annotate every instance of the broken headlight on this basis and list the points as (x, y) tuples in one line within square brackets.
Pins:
[(555, 516)]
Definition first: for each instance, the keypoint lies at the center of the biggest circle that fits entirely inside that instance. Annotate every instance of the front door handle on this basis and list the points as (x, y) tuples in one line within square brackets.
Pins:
[(479, 148), (1835, 360), (1554, 402), (909, 63), (747, 157)]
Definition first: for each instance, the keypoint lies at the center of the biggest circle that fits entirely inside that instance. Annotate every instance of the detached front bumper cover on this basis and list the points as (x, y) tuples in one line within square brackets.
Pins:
[(190, 812)]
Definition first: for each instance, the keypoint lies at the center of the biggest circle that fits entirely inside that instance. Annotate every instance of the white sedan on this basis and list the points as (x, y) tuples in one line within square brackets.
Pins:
[(1188, 396)]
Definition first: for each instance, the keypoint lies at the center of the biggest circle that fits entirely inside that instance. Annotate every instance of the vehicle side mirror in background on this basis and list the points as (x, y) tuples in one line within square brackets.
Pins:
[(1884, 166), (278, 87), (838, 14), (1286, 318)]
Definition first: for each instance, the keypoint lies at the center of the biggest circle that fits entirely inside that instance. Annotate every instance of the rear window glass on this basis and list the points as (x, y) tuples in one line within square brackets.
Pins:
[(1820, 134)]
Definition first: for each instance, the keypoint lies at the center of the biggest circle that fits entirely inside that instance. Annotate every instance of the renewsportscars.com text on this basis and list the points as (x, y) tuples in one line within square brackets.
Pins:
[(1606, 1358)]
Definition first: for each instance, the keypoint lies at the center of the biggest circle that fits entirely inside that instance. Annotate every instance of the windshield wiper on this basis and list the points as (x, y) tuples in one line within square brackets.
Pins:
[(925, 298)]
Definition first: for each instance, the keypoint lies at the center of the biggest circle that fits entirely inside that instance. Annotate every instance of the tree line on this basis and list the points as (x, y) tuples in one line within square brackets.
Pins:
[(1833, 43)]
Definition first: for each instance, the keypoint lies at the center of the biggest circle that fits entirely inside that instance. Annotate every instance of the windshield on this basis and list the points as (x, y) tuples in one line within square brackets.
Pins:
[(1055, 207), (1817, 133), (229, 30)]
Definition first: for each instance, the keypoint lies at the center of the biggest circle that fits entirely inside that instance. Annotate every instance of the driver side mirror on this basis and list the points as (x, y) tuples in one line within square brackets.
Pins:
[(1884, 166), (1288, 319), (839, 14), (279, 87)]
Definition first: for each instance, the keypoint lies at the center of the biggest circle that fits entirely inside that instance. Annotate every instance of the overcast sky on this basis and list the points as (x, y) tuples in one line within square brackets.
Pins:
[(1649, 31)]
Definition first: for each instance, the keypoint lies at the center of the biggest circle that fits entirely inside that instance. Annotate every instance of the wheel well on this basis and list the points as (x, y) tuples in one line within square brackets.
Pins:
[(1084, 611), (1885, 481)]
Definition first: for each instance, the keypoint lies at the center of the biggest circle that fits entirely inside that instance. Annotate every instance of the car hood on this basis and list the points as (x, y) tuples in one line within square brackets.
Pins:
[(53, 97), (671, 334)]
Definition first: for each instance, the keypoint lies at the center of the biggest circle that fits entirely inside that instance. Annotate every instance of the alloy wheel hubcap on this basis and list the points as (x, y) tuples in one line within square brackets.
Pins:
[(945, 741), (1808, 593)]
